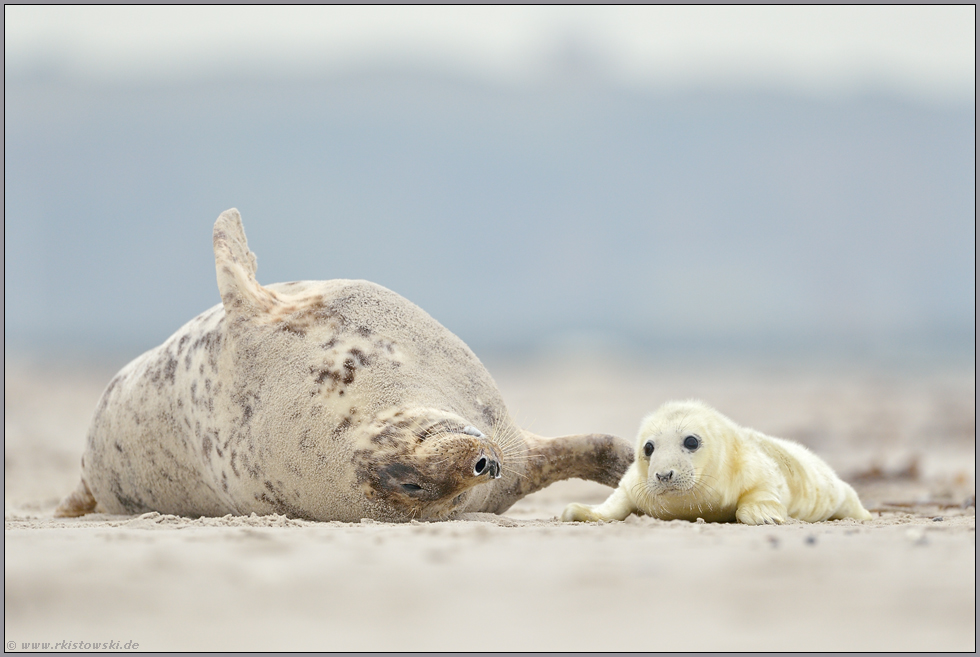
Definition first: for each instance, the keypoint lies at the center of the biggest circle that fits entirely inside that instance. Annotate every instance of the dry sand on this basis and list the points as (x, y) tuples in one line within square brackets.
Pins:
[(905, 581)]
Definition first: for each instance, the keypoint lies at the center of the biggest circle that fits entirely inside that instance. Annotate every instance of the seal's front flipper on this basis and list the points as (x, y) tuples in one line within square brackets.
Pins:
[(77, 504), (595, 457)]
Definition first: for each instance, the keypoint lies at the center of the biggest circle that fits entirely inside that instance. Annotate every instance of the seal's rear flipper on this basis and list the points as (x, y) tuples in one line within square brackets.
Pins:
[(77, 504), (241, 294)]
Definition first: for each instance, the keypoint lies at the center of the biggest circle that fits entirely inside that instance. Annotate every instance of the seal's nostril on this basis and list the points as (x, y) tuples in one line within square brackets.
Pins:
[(665, 476), (481, 466), (494, 469)]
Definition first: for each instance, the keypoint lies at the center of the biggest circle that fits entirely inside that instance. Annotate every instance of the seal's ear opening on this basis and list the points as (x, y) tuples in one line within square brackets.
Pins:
[(240, 293)]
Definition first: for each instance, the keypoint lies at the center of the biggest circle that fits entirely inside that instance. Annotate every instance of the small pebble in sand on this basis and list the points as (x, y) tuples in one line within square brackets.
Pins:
[(938, 519)]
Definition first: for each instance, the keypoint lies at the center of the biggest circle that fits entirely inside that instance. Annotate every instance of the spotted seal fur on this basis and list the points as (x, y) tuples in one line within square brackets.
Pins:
[(693, 462), (325, 400)]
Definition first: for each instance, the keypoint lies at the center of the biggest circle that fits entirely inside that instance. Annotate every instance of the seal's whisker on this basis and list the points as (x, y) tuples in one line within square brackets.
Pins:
[(512, 471)]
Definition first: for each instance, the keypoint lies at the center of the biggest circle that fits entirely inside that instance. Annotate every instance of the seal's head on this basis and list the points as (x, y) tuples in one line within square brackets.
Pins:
[(420, 463), (679, 450)]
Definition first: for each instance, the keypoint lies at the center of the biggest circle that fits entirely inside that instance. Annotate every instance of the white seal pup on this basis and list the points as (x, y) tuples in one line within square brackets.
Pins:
[(324, 400), (693, 462)]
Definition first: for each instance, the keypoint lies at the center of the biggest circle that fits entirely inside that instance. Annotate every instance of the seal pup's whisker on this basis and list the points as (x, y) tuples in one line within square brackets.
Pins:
[(691, 461)]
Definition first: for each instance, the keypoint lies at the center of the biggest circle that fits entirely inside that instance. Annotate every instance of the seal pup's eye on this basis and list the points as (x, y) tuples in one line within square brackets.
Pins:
[(648, 448), (472, 431), (692, 442), (411, 487)]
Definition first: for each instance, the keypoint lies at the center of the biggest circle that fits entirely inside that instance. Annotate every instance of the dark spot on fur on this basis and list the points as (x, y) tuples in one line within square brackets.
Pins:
[(349, 369), (489, 416), (119, 447), (343, 426), (211, 343), (104, 401), (305, 443), (281, 506), (400, 473), (132, 504), (388, 435), (170, 369), (325, 374), (364, 331), (360, 357)]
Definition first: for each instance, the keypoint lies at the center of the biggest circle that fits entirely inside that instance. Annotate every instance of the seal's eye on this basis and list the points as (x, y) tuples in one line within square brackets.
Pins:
[(411, 487), (692, 442), (648, 448)]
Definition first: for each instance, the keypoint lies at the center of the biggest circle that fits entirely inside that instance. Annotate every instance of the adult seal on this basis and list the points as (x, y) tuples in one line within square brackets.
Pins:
[(324, 400), (693, 462)]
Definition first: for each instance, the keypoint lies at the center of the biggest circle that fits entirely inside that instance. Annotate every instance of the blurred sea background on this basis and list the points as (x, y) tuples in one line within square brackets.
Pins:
[(604, 182)]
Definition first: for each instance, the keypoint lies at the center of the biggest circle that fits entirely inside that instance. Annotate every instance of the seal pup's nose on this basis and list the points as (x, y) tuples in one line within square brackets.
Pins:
[(666, 476)]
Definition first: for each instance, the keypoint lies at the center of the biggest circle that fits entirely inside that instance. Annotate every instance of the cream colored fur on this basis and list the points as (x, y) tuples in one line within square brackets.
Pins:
[(734, 473)]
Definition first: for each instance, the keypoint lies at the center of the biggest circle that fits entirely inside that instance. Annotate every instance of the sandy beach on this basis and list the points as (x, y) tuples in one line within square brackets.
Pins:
[(905, 581)]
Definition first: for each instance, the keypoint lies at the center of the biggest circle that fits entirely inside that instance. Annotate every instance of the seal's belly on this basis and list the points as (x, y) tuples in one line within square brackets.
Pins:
[(146, 445)]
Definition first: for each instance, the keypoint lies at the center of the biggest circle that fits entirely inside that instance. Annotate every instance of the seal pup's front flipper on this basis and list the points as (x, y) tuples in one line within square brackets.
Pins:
[(617, 507), (760, 506)]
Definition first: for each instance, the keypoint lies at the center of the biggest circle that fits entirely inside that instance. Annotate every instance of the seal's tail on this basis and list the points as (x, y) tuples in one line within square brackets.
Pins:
[(77, 504)]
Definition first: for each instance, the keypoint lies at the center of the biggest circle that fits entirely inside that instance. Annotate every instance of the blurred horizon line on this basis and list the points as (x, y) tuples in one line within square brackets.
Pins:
[(383, 73), (939, 348)]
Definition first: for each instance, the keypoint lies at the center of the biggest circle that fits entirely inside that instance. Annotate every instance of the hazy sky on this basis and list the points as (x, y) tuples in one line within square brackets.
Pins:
[(650, 175), (920, 51)]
